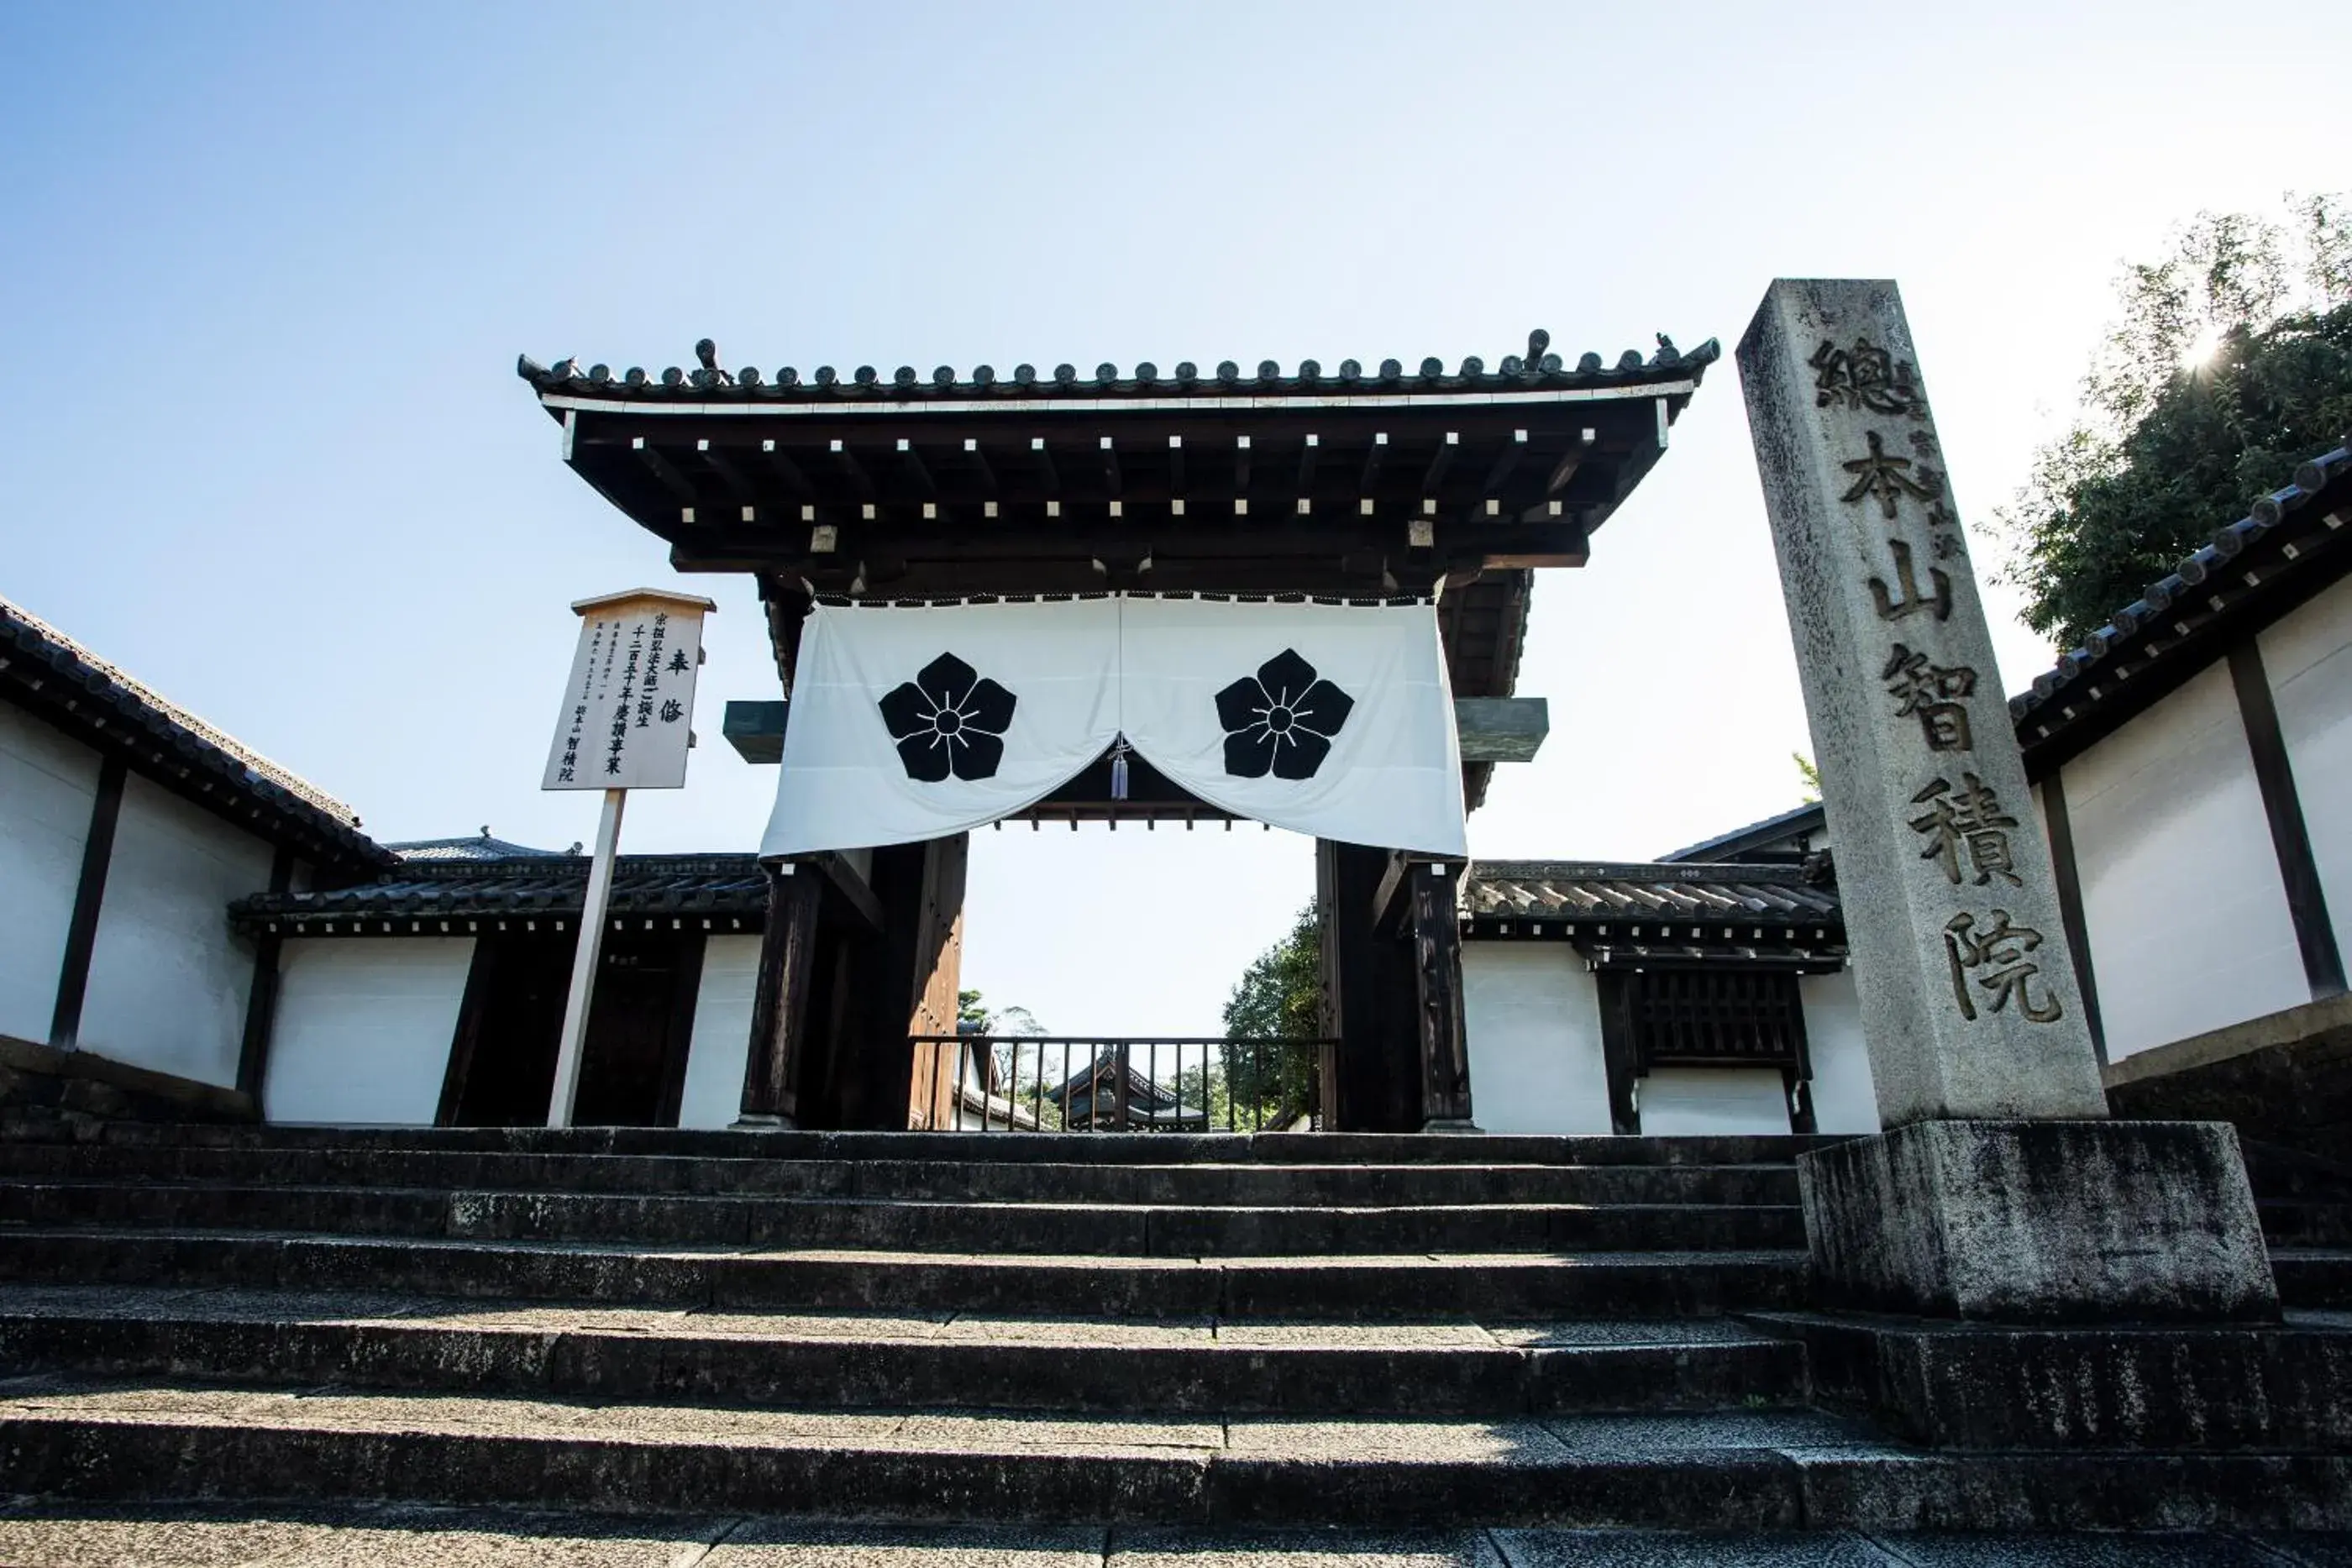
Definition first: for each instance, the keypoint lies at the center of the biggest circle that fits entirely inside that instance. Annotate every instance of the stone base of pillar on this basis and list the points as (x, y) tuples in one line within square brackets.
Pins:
[(2039, 1222), (759, 1124), (1451, 1124)]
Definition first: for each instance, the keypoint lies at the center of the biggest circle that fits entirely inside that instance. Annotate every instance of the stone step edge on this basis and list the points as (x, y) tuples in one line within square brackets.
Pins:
[(1672, 1259), (849, 1371), (164, 1154), (1858, 1485), (1262, 1149), (1368, 1287), (827, 1200)]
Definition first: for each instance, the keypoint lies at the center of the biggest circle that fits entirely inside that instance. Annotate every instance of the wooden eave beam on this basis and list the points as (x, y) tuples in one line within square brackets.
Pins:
[(911, 460), (729, 475), (1565, 469), (1505, 462), (1352, 473), (977, 460), (1434, 475), (1384, 895), (846, 461), (788, 471), (1478, 425), (661, 469), (841, 878)]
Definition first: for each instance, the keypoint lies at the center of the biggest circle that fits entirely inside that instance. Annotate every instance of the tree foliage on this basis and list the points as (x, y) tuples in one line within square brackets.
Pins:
[(2232, 362), (1278, 997), (1808, 776)]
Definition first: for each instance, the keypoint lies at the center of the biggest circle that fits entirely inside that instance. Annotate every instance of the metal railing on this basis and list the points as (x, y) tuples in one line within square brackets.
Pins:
[(1068, 1083)]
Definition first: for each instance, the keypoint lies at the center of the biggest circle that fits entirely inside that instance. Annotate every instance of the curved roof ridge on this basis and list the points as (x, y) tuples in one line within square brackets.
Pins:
[(1538, 371)]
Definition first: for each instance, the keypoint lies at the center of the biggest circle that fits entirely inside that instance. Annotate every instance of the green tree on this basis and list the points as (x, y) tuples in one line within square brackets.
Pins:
[(1809, 776), (1018, 1071), (1279, 998), (2231, 363)]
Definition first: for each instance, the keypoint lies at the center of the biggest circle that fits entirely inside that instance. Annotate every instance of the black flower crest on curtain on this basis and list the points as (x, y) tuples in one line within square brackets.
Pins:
[(950, 719), (1281, 720)]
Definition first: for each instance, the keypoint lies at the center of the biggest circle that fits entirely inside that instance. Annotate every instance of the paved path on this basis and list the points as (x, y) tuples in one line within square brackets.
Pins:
[(53, 1535)]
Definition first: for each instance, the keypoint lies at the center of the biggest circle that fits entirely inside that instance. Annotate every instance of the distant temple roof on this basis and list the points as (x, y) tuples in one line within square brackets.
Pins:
[(100, 704), (1538, 370), (461, 896), (1657, 913), (480, 848), (1617, 890), (1779, 837)]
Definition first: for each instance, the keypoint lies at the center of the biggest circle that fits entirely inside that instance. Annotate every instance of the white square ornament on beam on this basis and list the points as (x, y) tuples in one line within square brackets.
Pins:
[(628, 708)]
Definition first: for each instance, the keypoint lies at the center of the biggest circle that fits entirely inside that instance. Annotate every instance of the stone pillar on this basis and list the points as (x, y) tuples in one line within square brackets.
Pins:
[(1998, 1190)]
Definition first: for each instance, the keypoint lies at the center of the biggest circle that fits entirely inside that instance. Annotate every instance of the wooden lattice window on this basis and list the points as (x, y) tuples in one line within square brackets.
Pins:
[(1715, 1016)]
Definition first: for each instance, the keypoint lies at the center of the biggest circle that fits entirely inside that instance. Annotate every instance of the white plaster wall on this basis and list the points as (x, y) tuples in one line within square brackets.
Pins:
[(1533, 1018), (168, 980), (1681, 1102), (363, 1030), (47, 783), (720, 1046), (1844, 1100), (2188, 921), (2308, 656)]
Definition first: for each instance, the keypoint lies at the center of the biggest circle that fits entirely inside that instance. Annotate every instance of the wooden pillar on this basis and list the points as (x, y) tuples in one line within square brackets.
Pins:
[(780, 1008), (2307, 902), (1444, 1049), (262, 996), (932, 978), (1619, 1058), (90, 894), (905, 983), (1372, 1076)]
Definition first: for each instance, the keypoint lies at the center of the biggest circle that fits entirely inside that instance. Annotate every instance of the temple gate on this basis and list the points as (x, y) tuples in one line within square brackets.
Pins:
[(1364, 487)]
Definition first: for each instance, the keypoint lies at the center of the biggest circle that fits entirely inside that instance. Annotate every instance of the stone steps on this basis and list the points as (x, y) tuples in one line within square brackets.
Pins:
[(1191, 1183), (1770, 1470), (2305, 1224), (415, 1535), (2278, 1386), (1062, 1228), (1375, 1289), (1187, 1366), (1284, 1329), (2319, 1277), (974, 1148)]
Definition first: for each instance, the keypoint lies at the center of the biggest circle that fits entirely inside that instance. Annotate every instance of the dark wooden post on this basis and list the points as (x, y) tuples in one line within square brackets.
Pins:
[(780, 1010), (1437, 981), (904, 983), (262, 996), (81, 932), (1344, 881), (1373, 1081)]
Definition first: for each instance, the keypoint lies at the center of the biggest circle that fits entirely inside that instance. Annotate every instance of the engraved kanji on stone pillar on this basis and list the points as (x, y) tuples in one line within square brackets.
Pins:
[(1969, 1003)]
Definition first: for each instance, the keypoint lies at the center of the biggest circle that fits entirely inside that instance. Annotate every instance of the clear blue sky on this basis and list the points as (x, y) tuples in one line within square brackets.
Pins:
[(269, 267)]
